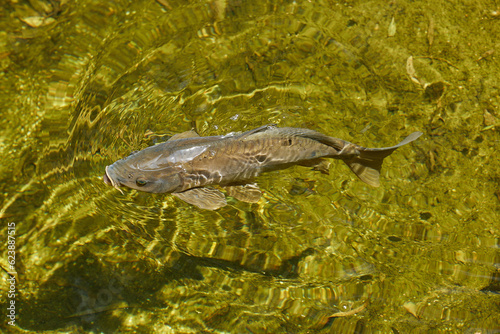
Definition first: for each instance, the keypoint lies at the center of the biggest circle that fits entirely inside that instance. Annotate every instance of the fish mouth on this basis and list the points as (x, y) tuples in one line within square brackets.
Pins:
[(109, 180)]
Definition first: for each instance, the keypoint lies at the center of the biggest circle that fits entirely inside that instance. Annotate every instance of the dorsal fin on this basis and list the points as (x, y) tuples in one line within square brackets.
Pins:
[(257, 130), (184, 135)]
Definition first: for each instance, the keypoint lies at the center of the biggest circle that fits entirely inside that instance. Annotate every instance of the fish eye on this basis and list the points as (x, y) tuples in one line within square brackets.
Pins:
[(141, 182)]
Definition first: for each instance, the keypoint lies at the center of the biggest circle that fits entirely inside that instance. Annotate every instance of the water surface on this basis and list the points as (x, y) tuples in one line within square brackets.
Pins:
[(83, 84)]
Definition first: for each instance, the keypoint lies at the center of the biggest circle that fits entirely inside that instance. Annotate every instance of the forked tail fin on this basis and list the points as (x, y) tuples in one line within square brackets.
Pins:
[(368, 163)]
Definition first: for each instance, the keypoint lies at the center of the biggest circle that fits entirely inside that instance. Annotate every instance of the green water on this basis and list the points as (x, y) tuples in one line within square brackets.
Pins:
[(84, 83)]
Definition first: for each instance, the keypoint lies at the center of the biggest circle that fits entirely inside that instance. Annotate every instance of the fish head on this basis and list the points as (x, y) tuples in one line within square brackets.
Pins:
[(144, 171)]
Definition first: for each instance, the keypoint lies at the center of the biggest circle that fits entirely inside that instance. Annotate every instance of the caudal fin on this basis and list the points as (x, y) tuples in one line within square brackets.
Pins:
[(368, 163)]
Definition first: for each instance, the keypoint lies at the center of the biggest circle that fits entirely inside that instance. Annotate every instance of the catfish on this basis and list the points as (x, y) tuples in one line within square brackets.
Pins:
[(189, 166)]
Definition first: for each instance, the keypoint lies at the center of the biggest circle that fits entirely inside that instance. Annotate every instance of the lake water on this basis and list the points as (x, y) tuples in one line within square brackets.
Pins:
[(85, 83)]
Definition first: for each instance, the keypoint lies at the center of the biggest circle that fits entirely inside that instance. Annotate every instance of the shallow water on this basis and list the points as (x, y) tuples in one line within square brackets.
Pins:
[(84, 84)]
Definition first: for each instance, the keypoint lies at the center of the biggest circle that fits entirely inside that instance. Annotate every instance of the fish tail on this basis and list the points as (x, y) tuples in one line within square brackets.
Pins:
[(367, 166), (366, 163)]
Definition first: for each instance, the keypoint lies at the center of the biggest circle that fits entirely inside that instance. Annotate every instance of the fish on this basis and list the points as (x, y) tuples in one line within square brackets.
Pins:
[(195, 168)]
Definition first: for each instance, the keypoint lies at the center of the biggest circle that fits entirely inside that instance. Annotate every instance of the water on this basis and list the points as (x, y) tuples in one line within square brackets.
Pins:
[(84, 84)]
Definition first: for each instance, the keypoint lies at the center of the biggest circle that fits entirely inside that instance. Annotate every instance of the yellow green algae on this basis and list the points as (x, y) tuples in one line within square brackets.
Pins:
[(83, 84)]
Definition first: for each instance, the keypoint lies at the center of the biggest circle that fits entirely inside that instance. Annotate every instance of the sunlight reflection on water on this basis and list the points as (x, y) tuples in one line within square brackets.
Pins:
[(421, 251)]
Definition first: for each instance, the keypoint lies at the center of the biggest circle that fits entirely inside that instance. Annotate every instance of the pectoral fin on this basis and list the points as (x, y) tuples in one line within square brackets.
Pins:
[(204, 198), (246, 193)]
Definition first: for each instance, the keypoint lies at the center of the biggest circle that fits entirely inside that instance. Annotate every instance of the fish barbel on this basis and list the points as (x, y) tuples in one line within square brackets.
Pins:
[(187, 164)]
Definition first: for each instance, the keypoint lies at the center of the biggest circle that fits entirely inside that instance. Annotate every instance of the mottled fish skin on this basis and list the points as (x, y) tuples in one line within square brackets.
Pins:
[(188, 162)]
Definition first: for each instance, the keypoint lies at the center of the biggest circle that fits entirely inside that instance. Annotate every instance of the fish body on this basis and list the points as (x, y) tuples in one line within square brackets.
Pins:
[(187, 164)]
